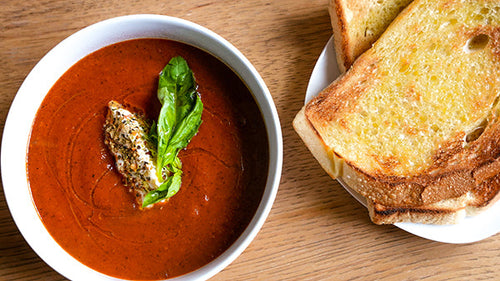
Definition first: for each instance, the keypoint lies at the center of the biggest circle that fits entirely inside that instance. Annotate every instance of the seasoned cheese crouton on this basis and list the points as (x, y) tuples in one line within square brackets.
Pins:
[(126, 135)]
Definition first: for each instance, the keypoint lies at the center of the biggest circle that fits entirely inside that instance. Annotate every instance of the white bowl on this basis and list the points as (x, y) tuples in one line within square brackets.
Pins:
[(55, 63)]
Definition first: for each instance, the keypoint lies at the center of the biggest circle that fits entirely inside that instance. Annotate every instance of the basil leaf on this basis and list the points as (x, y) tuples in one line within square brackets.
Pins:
[(153, 136), (178, 122), (176, 75), (165, 128), (166, 190), (177, 93), (185, 131)]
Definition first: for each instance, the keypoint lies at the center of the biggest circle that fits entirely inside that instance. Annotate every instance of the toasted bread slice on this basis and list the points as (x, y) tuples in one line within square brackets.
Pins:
[(358, 23), (414, 126)]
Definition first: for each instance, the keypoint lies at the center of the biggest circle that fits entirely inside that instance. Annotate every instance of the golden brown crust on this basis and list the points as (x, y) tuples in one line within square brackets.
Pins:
[(340, 36), (448, 211), (380, 214), (341, 96), (389, 203)]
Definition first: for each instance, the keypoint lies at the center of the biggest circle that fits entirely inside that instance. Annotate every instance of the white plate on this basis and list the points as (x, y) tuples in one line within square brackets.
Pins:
[(472, 229)]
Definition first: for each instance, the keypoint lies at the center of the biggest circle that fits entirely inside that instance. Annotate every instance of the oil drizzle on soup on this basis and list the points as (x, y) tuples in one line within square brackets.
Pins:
[(80, 196)]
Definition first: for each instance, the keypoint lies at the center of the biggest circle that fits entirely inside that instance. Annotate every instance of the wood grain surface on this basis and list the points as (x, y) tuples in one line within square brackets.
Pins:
[(316, 230)]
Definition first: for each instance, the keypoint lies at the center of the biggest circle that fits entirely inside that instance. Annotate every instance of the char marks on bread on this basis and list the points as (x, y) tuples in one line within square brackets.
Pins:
[(413, 125)]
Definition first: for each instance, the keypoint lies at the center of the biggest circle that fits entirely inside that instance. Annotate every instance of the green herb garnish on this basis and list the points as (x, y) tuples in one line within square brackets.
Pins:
[(179, 120)]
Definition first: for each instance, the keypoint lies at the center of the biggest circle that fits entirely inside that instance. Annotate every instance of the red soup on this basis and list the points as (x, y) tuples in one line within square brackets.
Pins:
[(79, 193)]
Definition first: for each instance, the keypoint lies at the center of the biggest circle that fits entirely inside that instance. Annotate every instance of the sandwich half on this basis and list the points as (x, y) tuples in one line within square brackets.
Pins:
[(413, 126), (358, 23)]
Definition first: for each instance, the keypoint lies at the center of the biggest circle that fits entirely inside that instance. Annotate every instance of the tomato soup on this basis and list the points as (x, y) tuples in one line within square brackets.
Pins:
[(80, 196)]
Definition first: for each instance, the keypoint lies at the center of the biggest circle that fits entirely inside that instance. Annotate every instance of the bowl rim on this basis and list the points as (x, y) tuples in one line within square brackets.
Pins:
[(21, 114)]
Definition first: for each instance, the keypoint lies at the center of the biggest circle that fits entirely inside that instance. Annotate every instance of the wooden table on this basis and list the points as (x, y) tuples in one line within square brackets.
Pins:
[(316, 230)]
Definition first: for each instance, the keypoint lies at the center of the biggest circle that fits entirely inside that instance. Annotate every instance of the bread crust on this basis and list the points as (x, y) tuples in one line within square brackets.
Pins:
[(341, 38)]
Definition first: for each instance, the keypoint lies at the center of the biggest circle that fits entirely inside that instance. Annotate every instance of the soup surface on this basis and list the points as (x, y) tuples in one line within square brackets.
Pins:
[(80, 196)]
